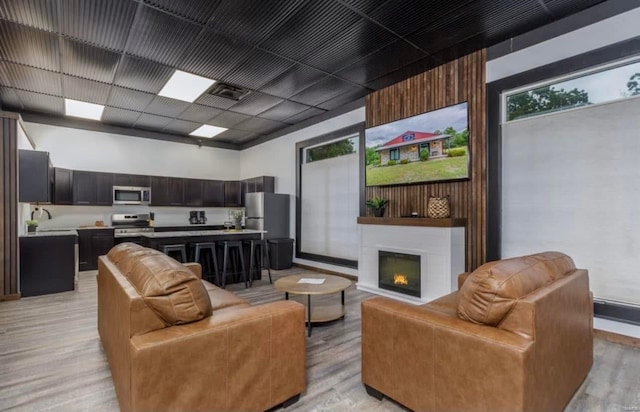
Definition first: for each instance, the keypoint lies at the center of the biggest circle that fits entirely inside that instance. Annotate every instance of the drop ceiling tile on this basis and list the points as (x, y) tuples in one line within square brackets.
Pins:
[(9, 99), (228, 119), (31, 47), (102, 22), (262, 126), (199, 113), (85, 90), (255, 103), (83, 60), (36, 102), (256, 69), (143, 75), (403, 72), (151, 121), (322, 91), (181, 126), (563, 8), (40, 14), (31, 79), (198, 11), (283, 111), (252, 21), (364, 6), (354, 94), (121, 117), (294, 80), (129, 99), (216, 101), (165, 106), (235, 136), (310, 27), (160, 37), (307, 114), (213, 55)]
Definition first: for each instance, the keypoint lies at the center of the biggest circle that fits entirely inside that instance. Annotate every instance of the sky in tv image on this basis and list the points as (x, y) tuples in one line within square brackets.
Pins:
[(452, 116)]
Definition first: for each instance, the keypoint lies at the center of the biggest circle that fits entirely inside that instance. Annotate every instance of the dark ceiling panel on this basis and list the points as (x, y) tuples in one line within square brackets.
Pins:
[(310, 27), (384, 61), (41, 14), (349, 46), (85, 90), (28, 46), (160, 37), (258, 125), (215, 101), (255, 103), (284, 111), (181, 126), (228, 119), (403, 72), (151, 121), (344, 98), (213, 55), (563, 8), (142, 75), (365, 6), (256, 69), (165, 106), (35, 80), (292, 81), (36, 102), (83, 60), (251, 20), (102, 22), (9, 99), (129, 99), (198, 11), (121, 117), (235, 136), (199, 113), (307, 114), (322, 91)]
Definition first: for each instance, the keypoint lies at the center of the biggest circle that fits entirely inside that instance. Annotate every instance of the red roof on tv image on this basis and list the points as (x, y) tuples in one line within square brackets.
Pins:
[(417, 137)]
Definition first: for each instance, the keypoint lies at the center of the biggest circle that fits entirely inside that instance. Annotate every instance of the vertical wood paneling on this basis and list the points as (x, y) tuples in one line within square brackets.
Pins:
[(8, 208), (452, 83)]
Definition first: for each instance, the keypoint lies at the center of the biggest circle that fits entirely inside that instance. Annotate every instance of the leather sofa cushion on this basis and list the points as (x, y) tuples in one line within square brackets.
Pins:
[(490, 292), (171, 290)]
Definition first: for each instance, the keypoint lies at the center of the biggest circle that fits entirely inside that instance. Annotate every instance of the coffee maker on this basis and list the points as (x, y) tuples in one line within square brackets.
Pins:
[(197, 217)]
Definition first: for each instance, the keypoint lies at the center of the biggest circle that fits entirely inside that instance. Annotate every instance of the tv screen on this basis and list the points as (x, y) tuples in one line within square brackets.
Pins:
[(429, 147)]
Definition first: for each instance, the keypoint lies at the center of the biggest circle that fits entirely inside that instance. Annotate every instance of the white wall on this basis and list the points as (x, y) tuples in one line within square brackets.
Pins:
[(278, 158), (106, 152)]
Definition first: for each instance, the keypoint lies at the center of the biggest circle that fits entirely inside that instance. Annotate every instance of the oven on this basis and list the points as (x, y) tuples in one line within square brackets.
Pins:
[(130, 227), (131, 195)]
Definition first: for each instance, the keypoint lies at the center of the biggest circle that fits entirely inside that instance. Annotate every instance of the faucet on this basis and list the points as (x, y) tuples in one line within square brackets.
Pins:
[(40, 214)]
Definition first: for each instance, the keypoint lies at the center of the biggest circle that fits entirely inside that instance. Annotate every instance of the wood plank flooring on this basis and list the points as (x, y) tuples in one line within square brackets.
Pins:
[(51, 358)]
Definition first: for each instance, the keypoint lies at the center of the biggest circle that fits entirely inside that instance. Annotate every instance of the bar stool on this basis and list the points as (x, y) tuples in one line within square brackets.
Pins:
[(181, 249), (229, 247), (210, 265), (259, 250)]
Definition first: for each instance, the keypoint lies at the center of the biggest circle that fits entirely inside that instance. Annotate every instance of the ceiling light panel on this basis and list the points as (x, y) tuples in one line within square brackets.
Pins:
[(185, 86), (83, 110), (207, 131)]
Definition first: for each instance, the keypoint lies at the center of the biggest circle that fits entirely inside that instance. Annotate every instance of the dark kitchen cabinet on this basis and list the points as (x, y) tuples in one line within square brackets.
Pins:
[(84, 188), (260, 184), (35, 177), (120, 179), (104, 189), (176, 191), (213, 193), (93, 243), (233, 193), (193, 192), (63, 186), (167, 191)]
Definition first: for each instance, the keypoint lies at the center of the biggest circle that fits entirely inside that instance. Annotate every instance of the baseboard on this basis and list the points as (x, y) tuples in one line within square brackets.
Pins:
[(325, 271), (616, 338), (617, 312), (14, 296)]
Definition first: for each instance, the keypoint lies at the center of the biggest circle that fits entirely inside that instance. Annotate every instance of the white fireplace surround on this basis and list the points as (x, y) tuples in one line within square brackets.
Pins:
[(441, 251)]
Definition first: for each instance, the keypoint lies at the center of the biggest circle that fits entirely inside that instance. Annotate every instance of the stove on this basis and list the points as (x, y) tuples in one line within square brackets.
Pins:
[(130, 225)]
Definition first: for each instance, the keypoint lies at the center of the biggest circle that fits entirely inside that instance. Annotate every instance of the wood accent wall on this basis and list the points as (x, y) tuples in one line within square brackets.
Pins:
[(8, 207), (452, 83)]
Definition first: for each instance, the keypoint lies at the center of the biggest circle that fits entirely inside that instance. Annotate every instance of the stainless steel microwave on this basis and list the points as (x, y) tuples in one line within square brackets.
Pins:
[(130, 195)]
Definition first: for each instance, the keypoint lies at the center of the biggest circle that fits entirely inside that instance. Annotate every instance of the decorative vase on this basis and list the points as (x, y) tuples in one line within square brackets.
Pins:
[(378, 212), (32, 229), (238, 225)]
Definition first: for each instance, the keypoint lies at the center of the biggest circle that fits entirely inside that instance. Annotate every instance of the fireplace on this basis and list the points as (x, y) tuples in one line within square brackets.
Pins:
[(399, 272)]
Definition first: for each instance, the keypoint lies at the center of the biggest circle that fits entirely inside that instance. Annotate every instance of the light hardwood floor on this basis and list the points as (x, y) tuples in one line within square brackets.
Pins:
[(51, 358)]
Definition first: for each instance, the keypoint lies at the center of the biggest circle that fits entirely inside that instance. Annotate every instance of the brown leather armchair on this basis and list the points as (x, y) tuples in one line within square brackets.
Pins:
[(517, 336)]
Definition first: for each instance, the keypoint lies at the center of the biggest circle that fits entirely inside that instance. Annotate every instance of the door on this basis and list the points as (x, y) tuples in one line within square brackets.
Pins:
[(34, 184), (254, 205)]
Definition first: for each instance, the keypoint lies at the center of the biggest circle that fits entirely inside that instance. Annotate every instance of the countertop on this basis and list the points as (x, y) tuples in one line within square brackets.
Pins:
[(192, 233), (49, 233)]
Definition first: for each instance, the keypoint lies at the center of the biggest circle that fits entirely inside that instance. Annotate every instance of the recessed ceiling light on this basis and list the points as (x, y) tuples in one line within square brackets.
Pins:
[(84, 110), (185, 86), (207, 131)]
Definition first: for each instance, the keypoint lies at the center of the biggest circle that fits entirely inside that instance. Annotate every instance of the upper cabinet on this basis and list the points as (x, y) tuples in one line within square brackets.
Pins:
[(233, 193), (120, 179), (167, 191), (63, 186), (35, 177), (193, 192), (92, 188), (213, 193)]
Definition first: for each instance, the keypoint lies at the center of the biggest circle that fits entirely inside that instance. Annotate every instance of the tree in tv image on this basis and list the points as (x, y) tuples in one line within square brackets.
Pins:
[(428, 147)]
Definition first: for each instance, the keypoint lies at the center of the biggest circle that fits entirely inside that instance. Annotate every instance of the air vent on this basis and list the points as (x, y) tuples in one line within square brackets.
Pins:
[(228, 91)]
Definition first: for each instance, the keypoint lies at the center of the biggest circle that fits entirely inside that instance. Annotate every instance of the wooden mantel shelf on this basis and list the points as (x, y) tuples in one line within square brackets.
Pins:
[(412, 221)]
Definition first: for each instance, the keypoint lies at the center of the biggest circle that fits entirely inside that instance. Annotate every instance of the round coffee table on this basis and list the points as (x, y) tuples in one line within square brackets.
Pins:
[(324, 312)]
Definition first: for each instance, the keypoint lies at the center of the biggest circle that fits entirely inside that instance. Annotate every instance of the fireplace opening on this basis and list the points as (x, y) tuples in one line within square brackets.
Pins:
[(399, 272)]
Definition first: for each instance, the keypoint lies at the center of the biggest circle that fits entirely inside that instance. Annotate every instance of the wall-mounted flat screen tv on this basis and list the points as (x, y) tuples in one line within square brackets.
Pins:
[(429, 147)]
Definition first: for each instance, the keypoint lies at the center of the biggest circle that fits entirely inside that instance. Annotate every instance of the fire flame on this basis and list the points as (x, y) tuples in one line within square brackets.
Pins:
[(400, 279)]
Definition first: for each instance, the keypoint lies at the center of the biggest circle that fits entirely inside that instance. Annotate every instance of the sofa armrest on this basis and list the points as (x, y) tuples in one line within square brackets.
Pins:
[(195, 268), (423, 359), (462, 278), (251, 358)]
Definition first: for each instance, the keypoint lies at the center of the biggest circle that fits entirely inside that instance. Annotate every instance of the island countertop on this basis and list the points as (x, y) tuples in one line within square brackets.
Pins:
[(196, 233)]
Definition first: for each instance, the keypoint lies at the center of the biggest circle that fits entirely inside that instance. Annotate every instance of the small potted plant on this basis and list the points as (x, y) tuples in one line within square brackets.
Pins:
[(32, 226), (377, 204), (236, 215)]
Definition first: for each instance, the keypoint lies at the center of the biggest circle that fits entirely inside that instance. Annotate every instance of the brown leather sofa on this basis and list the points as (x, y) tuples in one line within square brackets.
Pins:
[(176, 342), (516, 336)]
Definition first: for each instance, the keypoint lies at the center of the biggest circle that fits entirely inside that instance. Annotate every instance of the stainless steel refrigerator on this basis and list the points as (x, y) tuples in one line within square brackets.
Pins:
[(268, 211)]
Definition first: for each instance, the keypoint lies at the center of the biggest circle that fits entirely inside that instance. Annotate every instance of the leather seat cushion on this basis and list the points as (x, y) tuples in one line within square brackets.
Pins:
[(171, 290), (490, 292)]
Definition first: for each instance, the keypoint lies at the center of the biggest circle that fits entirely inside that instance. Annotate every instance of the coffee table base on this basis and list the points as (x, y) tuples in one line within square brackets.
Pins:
[(322, 312)]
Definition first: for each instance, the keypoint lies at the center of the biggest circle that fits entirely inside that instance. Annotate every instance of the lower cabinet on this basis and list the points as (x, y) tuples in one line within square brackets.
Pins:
[(93, 243)]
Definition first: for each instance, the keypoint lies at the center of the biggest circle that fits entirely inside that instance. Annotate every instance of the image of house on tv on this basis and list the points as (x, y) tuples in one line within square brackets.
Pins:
[(409, 144)]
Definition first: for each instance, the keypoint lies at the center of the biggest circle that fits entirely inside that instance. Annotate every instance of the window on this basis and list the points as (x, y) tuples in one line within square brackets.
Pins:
[(598, 85), (394, 154), (408, 137), (334, 149)]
